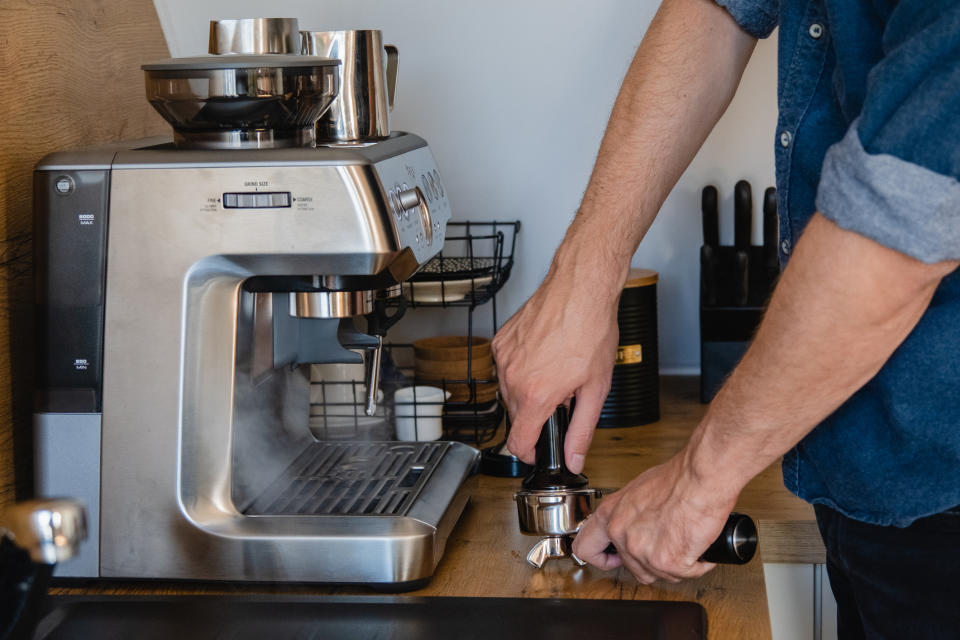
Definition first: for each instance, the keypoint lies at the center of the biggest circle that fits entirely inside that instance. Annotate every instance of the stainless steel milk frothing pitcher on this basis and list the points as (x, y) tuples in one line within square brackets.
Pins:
[(368, 82)]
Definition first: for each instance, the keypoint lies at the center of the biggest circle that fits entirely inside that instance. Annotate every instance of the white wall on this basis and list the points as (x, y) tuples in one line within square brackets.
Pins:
[(513, 98)]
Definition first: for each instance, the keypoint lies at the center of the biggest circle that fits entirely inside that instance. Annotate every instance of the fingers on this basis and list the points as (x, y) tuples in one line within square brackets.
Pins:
[(583, 425), (591, 543), (525, 426)]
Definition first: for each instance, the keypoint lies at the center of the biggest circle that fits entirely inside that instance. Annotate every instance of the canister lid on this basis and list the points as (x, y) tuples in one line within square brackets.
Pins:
[(641, 278)]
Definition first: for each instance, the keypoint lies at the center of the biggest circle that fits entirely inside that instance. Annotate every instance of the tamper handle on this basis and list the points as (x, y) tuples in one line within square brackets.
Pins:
[(550, 472)]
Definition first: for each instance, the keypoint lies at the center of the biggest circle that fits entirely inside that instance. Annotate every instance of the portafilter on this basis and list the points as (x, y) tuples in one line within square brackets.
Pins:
[(554, 502)]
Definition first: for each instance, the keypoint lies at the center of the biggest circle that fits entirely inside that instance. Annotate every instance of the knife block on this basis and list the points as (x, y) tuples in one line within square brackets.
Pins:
[(726, 328)]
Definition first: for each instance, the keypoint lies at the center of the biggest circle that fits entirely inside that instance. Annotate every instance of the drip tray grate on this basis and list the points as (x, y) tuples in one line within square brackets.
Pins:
[(351, 478)]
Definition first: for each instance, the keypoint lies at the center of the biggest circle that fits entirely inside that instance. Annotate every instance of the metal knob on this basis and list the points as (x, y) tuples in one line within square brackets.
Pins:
[(49, 530), (414, 199)]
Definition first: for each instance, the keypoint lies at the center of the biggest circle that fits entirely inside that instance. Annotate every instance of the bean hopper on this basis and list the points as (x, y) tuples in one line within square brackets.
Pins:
[(185, 286), (553, 503)]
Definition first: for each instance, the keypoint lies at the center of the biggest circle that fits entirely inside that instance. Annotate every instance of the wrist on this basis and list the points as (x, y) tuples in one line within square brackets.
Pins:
[(587, 265), (713, 460)]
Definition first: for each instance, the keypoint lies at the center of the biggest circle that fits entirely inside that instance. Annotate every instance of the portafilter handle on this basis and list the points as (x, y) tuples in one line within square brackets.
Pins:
[(736, 544)]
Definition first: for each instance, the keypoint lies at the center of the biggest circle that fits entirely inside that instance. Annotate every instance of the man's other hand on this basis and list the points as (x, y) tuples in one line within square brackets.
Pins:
[(660, 523)]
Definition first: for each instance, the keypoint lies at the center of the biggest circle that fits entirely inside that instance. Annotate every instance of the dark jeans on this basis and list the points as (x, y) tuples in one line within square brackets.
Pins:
[(893, 582)]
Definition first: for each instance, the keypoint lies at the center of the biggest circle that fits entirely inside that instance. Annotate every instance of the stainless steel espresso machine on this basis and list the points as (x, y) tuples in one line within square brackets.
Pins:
[(184, 289)]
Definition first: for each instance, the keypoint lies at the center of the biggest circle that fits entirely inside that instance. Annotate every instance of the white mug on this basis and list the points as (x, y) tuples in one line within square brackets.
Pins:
[(419, 412)]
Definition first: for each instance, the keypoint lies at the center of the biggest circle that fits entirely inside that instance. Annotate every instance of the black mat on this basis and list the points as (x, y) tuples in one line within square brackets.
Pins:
[(367, 618)]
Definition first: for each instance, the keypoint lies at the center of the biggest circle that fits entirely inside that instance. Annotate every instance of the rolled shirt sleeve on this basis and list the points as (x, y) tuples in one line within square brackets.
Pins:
[(893, 177), (757, 17)]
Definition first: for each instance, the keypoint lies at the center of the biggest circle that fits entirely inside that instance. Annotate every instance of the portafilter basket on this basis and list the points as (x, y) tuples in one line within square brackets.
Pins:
[(239, 101)]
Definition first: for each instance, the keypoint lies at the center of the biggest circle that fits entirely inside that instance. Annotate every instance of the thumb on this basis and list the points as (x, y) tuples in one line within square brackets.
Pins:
[(582, 426)]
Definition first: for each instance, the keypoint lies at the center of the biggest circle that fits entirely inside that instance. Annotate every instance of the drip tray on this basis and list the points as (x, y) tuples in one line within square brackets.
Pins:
[(368, 618), (351, 478)]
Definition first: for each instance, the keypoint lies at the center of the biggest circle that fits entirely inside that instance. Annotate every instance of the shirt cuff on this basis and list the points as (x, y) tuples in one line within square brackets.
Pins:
[(899, 204), (757, 17)]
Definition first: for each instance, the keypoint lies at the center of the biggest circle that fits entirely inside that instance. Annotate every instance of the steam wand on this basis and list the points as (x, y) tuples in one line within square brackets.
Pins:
[(377, 324)]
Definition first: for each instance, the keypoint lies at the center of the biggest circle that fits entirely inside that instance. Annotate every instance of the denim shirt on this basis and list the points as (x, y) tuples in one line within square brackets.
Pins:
[(869, 135)]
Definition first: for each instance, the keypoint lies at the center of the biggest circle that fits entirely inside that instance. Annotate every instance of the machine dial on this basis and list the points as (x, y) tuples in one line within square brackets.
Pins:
[(413, 199)]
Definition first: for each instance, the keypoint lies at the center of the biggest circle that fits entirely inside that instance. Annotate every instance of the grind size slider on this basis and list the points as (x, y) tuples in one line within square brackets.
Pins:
[(553, 503)]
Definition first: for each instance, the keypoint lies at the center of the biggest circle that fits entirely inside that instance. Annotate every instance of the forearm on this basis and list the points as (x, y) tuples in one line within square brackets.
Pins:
[(682, 79), (843, 305)]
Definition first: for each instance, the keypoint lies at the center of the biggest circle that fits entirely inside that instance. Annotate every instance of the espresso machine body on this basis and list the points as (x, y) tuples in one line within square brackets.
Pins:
[(173, 385)]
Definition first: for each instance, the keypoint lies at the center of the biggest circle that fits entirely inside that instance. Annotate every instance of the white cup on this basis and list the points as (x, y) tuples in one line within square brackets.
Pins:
[(420, 417)]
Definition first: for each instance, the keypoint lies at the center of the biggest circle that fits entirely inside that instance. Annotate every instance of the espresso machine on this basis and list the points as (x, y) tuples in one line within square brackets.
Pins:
[(184, 288)]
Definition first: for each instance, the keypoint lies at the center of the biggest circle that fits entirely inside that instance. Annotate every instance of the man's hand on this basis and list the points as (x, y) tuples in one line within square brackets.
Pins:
[(660, 523), (562, 343)]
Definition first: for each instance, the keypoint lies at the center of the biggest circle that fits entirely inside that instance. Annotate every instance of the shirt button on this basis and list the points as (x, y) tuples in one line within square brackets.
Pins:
[(785, 247), (785, 139), (816, 30)]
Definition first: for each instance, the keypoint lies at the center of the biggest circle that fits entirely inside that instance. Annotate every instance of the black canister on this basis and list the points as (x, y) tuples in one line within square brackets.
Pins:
[(634, 397)]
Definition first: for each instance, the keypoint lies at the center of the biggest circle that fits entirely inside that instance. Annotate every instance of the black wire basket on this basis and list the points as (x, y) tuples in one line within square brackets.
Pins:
[(337, 407), (475, 263)]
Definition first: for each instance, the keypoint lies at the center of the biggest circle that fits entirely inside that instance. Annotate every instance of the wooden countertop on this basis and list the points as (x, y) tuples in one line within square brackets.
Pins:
[(485, 555)]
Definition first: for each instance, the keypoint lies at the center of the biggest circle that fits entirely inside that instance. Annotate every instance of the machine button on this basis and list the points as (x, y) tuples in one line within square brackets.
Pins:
[(64, 185), (394, 203), (426, 187), (263, 200), (246, 200), (280, 199), (229, 200)]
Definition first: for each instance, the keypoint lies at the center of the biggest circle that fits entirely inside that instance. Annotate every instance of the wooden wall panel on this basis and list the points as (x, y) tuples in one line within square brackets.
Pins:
[(71, 77)]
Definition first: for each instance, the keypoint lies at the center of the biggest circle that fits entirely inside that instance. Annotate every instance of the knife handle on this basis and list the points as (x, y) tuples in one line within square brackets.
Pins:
[(742, 283), (736, 544), (708, 275), (742, 214), (711, 216)]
